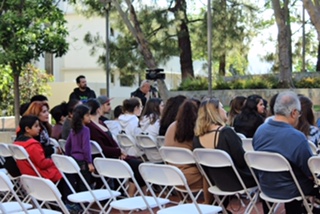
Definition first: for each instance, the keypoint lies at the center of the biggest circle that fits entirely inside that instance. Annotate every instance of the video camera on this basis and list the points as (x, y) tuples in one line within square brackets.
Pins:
[(154, 74)]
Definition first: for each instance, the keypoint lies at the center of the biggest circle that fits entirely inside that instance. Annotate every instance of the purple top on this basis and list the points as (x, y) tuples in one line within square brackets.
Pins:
[(78, 145)]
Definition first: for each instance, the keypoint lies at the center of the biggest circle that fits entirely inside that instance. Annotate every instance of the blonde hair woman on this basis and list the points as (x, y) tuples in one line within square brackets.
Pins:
[(212, 133)]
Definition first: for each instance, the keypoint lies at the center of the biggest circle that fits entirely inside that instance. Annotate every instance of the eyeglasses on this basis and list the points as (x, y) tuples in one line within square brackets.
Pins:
[(213, 101), (299, 112)]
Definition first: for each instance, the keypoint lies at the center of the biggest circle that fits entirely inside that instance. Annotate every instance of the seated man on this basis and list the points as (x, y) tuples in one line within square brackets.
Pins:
[(280, 136)]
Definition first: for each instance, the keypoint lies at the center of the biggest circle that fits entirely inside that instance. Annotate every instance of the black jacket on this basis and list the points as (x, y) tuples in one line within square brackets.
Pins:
[(82, 95)]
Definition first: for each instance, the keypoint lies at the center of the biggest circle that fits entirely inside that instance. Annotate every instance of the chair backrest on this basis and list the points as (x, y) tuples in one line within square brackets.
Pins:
[(146, 141), (20, 153), (5, 151), (314, 166), (313, 147), (113, 168), (242, 136), (62, 143), (160, 141), (54, 142), (96, 148), (247, 144), (125, 141), (176, 155), (43, 190)]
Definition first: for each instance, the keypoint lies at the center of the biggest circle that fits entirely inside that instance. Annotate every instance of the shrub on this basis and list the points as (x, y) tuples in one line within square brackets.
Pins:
[(308, 83), (194, 84)]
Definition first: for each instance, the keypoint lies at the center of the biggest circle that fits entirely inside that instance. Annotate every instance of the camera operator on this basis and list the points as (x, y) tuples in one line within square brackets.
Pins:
[(143, 92)]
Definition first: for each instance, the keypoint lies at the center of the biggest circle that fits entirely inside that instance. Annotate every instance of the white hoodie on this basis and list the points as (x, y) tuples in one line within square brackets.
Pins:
[(129, 124), (148, 128), (114, 127)]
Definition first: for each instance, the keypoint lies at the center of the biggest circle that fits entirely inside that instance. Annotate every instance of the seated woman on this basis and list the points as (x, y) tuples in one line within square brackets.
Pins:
[(100, 133), (211, 133), (180, 134)]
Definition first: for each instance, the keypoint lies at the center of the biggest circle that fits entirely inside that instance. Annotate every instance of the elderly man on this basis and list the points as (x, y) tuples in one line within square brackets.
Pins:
[(143, 92), (83, 92), (279, 135)]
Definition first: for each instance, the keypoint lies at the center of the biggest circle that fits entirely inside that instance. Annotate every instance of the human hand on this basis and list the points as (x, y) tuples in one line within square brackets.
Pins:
[(91, 167)]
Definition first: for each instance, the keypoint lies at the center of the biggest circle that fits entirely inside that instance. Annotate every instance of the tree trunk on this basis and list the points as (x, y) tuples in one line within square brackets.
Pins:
[(142, 42), (318, 59), (222, 65), (284, 42), (16, 96), (180, 13)]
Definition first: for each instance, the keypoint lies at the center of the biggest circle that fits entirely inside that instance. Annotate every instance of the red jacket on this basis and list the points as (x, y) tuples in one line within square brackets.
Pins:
[(45, 166)]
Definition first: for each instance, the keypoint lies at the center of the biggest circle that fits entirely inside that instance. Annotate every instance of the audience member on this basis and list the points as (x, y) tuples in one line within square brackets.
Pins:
[(105, 106), (236, 105), (83, 92), (114, 125), (59, 114), (78, 145), (143, 92), (180, 134), (25, 106), (102, 135), (306, 122), (150, 117), (279, 135), (250, 117), (211, 132), (40, 109), (170, 111), (66, 127), (129, 121)]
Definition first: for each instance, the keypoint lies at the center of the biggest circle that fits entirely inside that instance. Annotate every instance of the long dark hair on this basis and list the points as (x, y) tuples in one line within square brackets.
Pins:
[(250, 107), (307, 117), (129, 105), (77, 118), (186, 121), (26, 121), (152, 110), (93, 105)]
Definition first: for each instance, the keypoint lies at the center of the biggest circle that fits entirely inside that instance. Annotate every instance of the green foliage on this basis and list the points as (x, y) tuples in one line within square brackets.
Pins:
[(194, 84), (308, 83), (32, 81)]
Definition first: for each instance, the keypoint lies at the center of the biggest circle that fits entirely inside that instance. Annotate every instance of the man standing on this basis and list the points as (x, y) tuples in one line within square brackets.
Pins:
[(82, 93), (143, 92), (105, 106), (279, 135)]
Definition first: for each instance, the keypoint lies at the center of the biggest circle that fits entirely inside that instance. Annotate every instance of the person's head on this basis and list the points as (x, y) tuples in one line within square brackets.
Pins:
[(60, 112), (211, 112), (81, 82), (72, 104), (271, 104), (196, 101), (186, 119), (253, 103), (117, 111), (80, 117), (132, 106), (307, 118), (145, 86), (152, 109), (287, 105), (29, 126), (105, 104), (23, 108), (236, 104), (38, 97), (94, 106), (170, 110), (39, 109)]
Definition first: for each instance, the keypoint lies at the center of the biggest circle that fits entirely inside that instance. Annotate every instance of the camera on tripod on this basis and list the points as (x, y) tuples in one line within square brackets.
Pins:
[(154, 74)]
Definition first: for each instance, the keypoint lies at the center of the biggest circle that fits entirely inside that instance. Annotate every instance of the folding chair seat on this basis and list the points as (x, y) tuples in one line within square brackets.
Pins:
[(150, 147), (215, 158), (128, 143), (247, 144), (179, 156), (160, 141), (41, 189), (273, 162), (7, 187), (67, 165), (119, 169), (167, 175)]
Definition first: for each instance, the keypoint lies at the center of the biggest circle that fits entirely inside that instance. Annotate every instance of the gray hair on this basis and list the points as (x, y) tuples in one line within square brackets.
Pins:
[(144, 82), (286, 102)]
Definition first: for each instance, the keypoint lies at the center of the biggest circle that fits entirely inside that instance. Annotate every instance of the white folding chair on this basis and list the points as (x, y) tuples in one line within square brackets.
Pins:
[(179, 156), (215, 158), (242, 136), (20, 153), (273, 162), (313, 147), (128, 143), (160, 141), (55, 144), (7, 187), (167, 175), (314, 166), (119, 169), (150, 147), (96, 149), (247, 144), (41, 189), (67, 165), (62, 143)]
